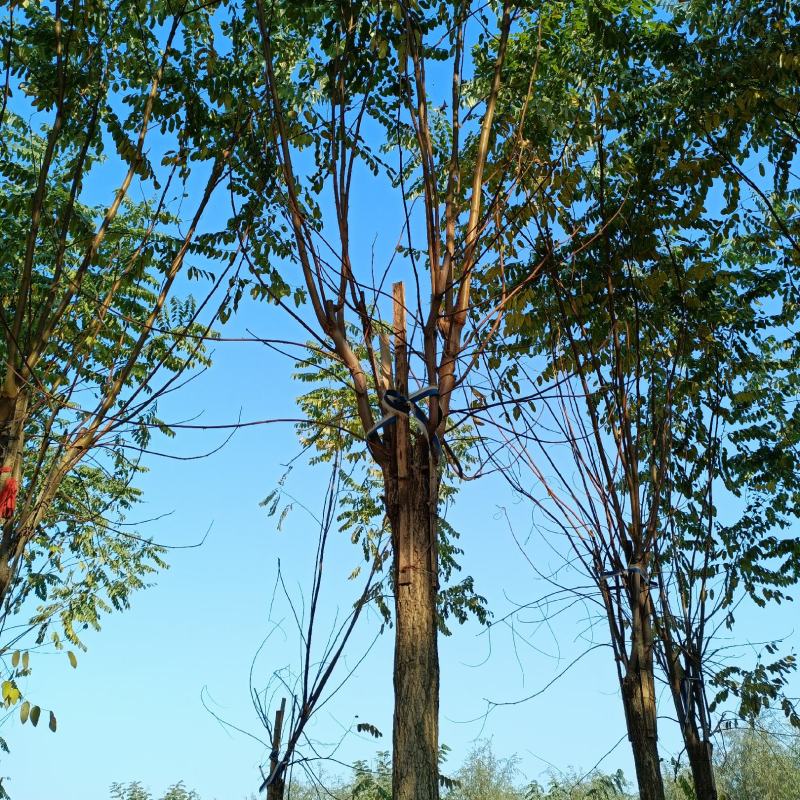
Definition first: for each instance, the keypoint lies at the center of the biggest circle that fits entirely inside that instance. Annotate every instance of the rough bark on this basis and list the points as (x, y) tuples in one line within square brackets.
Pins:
[(638, 696), (701, 762), (691, 710), (275, 790), (412, 513)]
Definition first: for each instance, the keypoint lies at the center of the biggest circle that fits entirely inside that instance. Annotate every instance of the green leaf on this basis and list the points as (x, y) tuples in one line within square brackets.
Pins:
[(52, 724), (366, 727), (72, 659), (24, 712), (35, 714)]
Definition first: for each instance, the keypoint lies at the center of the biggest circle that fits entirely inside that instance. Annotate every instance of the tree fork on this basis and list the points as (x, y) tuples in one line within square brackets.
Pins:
[(687, 697)]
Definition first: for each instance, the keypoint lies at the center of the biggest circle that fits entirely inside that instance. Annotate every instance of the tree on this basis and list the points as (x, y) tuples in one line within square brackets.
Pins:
[(749, 427), (353, 508), (760, 763), (755, 761), (373, 783), (484, 776), (329, 71), (92, 333), (596, 786), (658, 341), (135, 791)]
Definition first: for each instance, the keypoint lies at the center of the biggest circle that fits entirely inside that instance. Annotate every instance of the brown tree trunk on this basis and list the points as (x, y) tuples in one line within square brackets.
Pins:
[(688, 696), (412, 513), (638, 696), (693, 721), (701, 762), (275, 790), (639, 692)]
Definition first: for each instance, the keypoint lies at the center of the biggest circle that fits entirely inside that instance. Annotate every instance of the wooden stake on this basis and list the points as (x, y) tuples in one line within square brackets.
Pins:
[(275, 789), (405, 544), (386, 361)]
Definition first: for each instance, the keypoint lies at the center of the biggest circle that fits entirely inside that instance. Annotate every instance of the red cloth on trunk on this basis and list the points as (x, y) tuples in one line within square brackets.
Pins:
[(8, 495)]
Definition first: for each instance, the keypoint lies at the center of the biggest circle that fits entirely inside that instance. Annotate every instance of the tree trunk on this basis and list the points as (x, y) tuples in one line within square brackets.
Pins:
[(412, 502), (690, 711), (638, 696), (689, 698), (275, 790), (700, 760)]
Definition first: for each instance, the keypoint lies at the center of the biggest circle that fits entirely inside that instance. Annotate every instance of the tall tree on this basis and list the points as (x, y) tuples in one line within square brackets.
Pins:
[(101, 102), (353, 507), (347, 84), (660, 334), (744, 427)]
